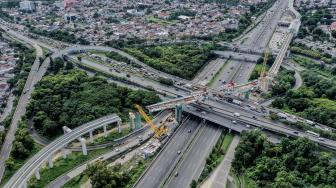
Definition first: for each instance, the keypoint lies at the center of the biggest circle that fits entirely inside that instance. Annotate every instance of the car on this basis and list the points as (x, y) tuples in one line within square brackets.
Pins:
[(117, 149), (320, 139), (189, 131), (234, 122), (296, 132), (122, 157), (248, 126), (203, 112), (178, 152), (254, 117), (176, 174)]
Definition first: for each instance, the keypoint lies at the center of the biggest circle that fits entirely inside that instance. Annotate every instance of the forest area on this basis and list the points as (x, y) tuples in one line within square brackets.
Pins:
[(290, 164), (72, 98)]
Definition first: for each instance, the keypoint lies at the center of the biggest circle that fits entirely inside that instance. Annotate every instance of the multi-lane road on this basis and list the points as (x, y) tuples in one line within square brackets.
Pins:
[(258, 37), (166, 160), (193, 161)]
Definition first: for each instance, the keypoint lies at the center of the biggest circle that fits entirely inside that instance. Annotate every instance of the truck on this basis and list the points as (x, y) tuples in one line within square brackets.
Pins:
[(236, 114), (282, 115), (237, 102)]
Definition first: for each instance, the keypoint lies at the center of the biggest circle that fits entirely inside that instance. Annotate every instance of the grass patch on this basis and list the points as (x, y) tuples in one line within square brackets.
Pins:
[(62, 166), (313, 65), (226, 143), (215, 157), (152, 19), (218, 73), (257, 71), (111, 136)]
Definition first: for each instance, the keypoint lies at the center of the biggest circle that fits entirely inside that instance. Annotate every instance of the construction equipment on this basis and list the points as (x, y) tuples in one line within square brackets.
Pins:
[(263, 81), (158, 131)]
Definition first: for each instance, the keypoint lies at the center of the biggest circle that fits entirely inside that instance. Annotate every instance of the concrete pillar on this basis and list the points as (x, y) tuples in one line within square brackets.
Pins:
[(50, 161), (137, 121), (178, 113), (132, 120), (105, 131), (82, 141), (37, 174), (119, 126), (91, 136), (64, 153)]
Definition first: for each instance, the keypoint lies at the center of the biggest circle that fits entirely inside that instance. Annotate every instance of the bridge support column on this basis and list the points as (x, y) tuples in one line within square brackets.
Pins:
[(82, 141), (132, 122), (64, 153), (37, 174), (91, 136), (105, 131), (137, 121), (119, 126), (178, 113), (50, 162)]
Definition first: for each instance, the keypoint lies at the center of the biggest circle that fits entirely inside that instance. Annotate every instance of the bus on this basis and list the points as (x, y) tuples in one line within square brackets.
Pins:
[(312, 133)]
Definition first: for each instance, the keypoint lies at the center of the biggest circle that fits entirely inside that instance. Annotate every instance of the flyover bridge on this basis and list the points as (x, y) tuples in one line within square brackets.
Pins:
[(216, 113), (22, 176)]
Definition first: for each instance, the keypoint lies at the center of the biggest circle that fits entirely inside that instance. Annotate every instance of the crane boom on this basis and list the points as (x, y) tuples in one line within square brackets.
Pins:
[(263, 70), (158, 132)]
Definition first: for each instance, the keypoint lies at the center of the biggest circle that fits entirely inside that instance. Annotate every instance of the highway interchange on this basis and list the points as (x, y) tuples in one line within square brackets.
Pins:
[(184, 153)]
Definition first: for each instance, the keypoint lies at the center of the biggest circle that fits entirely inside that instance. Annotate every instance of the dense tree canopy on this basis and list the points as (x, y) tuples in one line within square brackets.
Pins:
[(180, 60), (315, 100), (284, 81), (22, 67), (71, 98), (102, 176), (293, 163)]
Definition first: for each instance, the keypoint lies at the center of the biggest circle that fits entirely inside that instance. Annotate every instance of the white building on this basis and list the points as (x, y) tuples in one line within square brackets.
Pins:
[(27, 6)]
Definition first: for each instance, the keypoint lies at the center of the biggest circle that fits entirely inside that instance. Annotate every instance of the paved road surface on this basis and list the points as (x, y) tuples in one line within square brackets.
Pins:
[(219, 177), (256, 38), (168, 156), (194, 160), (136, 79), (205, 75), (19, 111)]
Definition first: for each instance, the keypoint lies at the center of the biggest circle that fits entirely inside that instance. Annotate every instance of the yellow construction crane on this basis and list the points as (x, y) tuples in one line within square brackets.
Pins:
[(158, 131), (263, 70), (263, 74)]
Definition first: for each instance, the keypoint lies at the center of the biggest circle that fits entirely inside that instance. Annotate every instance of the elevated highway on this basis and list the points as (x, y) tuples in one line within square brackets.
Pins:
[(215, 112), (21, 177)]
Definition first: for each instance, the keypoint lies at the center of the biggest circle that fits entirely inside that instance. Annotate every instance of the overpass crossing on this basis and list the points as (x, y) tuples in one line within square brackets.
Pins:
[(219, 115)]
